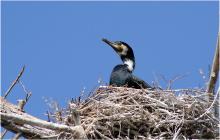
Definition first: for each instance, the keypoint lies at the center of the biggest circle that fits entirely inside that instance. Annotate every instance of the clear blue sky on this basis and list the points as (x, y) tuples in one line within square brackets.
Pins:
[(60, 44)]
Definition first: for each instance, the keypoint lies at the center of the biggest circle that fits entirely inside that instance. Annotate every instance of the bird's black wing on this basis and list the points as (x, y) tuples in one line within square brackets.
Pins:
[(136, 82)]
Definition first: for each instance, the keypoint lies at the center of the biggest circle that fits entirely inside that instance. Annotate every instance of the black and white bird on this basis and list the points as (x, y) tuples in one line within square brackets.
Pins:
[(122, 74)]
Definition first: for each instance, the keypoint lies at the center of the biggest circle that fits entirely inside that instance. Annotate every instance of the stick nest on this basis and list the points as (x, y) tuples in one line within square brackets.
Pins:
[(119, 113)]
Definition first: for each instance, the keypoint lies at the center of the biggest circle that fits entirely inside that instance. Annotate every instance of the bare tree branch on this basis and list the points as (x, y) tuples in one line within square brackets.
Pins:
[(3, 133), (213, 78), (17, 136), (14, 82), (15, 120), (214, 71)]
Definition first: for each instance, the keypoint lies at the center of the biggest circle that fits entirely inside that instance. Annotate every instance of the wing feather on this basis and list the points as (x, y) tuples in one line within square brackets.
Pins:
[(137, 83)]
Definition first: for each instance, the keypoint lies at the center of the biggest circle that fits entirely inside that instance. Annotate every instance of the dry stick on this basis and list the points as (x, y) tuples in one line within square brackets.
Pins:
[(51, 137), (20, 119), (21, 104), (3, 134), (100, 134), (41, 123), (76, 116), (214, 71), (16, 137), (9, 90), (28, 95), (14, 82), (171, 81), (48, 116), (214, 76), (210, 107)]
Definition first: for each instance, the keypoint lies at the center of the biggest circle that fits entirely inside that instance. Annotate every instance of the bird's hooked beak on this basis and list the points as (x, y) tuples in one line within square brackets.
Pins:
[(118, 48), (124, 51)]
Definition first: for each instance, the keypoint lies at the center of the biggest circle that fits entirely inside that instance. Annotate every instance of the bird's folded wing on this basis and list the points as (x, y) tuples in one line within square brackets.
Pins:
[(138, 82)]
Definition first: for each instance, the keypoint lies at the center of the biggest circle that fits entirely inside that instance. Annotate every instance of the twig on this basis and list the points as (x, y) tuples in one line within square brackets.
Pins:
[(48, 116), (16, 137), (216, 96), (214, 71), (23, 86), (14, 82), (100, 134), (51, 137), (156, 81), (28, 96), (75, 116), (3, 133), (21, 104), (41, 123), (119, 135), (171, 81)]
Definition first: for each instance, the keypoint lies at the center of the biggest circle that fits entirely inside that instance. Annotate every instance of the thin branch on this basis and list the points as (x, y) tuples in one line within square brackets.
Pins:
[(178, 77), (13, 119), (20, 119), (17, 136), (36, 122), (21, 104), (3, 133), (210, 107), (14, 82), (101, 135), (51, 137), (23, 86), (48, 116), (28, 95), (214, 71)]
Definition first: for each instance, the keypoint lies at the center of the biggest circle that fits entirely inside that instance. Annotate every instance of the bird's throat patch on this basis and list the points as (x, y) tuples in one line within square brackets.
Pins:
[(130, 64)]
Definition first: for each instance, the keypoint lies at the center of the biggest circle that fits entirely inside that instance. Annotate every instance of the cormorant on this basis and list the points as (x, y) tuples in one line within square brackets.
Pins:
[(122, 74)]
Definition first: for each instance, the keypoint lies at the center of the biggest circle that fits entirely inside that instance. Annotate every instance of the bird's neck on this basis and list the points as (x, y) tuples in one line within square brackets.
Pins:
[(130, 64)]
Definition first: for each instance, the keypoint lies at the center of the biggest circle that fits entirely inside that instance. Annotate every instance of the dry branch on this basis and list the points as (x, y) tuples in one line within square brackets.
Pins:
[(16, 137), (215, 70), (3, 133), (12, 118), (14, 82)]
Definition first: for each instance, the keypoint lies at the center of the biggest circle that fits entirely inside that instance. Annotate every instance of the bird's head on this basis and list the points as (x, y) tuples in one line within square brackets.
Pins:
[(124, 51)]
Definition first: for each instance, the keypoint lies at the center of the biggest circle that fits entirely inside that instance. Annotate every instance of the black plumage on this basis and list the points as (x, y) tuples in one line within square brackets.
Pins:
[(122, 74)]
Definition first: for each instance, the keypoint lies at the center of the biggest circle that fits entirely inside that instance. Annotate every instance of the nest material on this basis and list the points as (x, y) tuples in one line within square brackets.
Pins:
[(121, 113)]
